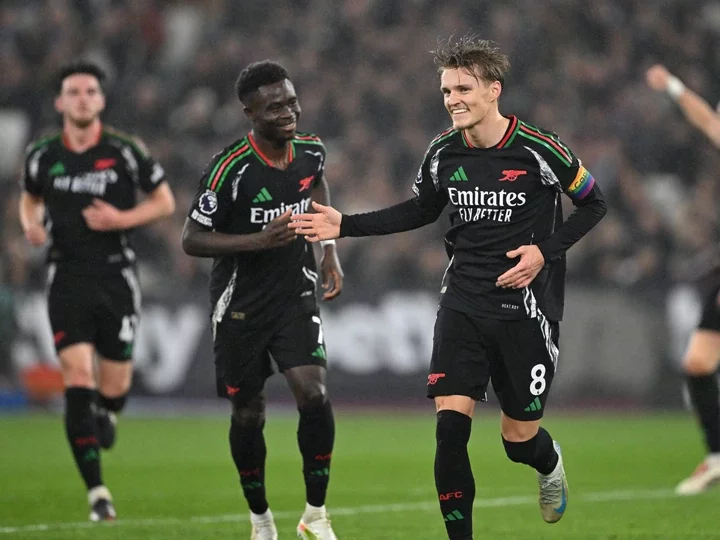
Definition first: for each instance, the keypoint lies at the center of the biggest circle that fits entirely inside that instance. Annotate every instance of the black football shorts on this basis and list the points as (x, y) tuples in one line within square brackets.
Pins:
[(518, 357), (710, 318), (102, 310), (243, 355)]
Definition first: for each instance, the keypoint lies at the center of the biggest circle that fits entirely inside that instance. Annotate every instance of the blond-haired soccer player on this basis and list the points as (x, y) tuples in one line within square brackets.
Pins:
[(502, 294)]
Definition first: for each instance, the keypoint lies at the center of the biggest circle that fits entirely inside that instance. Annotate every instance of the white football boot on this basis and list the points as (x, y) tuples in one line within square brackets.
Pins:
[(553, 491), (263, 526), (706, 474), (315, 525)]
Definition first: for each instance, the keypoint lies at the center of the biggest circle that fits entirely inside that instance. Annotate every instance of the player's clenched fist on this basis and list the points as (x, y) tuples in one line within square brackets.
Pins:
[(657, 77), (276, 233)]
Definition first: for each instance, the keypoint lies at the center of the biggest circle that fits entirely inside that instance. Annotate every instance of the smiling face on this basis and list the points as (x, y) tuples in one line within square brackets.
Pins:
[(274, 111), (468, 98), (80, 100)]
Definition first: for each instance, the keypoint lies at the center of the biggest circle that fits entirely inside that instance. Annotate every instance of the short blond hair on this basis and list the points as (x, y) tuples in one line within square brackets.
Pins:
[(479, 56)]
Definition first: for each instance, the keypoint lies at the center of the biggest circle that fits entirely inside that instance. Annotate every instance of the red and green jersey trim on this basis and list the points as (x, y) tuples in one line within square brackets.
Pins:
[(507, 139), (548, 141), (127, 139), (45, 141), (466, 140), (226, 163), (307, 138), (510, 133), (444, 135), (262, 157)]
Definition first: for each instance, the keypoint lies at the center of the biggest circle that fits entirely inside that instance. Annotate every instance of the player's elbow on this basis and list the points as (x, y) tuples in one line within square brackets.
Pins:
[(188, 243), (601, 209), (713, 131), (169, 206), (166, 201)]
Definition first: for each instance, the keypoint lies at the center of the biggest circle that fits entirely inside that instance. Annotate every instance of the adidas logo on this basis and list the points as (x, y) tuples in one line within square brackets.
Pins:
[(57, 169), (455, 515), (263, 196), (320, 353), (534, 406), (459, 176)]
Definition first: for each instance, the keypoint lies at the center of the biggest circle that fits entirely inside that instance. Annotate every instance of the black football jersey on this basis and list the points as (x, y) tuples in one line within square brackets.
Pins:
[(499, 199), (111, 170), (240, 193)]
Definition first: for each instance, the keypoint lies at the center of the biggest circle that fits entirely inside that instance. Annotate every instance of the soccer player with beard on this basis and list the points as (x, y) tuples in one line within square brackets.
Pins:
[(502, 294), (79, 187), (262, 288), (702, 357)]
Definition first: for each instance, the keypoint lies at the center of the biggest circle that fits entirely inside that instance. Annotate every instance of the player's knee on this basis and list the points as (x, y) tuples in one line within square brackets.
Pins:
[(311, 395), (520, 452), (250, 414), (519, 432), (700, 364), (452, 428), (78, 376), (115, 387), (248, 417)]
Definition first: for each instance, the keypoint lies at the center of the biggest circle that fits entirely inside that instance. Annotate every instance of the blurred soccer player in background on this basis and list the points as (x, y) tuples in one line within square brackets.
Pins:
[(503, 292), (80, 190), (263, 285), (702, 357)]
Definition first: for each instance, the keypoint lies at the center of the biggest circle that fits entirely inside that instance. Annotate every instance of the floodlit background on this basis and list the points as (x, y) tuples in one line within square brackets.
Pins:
[(368, 88)]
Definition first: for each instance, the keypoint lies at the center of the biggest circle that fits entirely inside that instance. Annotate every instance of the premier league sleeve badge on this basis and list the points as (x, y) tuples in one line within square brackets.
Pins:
[(208, 202)]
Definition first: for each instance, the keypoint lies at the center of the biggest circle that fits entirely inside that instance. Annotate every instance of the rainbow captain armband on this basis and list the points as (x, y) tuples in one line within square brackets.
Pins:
[(582, 185)]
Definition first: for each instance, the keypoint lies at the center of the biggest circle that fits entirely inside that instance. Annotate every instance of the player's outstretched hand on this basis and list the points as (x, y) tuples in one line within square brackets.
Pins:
[(522, 274), (36, 235), (322, 225), (102, 216), (276, 233), (657, 77)]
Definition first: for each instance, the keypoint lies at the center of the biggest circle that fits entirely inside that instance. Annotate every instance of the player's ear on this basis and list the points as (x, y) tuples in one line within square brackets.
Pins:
[(248, 112), (496, 89), (58, 104)]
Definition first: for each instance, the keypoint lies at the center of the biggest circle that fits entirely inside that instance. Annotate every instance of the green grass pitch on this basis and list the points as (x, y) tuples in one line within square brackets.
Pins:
[(174, 478)]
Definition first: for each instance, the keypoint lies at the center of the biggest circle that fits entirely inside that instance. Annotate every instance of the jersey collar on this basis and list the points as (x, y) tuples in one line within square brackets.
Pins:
[(66, 140), (507, 137), (262, 157)]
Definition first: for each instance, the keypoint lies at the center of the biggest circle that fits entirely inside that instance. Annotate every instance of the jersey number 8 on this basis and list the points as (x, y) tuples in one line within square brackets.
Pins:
[(537, 386)]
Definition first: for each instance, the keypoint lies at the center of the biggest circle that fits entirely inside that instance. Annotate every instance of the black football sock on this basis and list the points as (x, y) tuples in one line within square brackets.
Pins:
[(453, 475), (316, 436), (81, 433), (706, 403), (538, 452), (247, 445)]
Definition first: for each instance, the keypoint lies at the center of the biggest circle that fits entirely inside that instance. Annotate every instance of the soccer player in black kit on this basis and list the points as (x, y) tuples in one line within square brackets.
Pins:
[(502, 294), (702, 357), (79, 189), (262, 288)]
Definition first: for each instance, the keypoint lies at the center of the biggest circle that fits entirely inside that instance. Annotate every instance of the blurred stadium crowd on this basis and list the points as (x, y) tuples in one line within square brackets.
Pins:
[(368, 87)]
